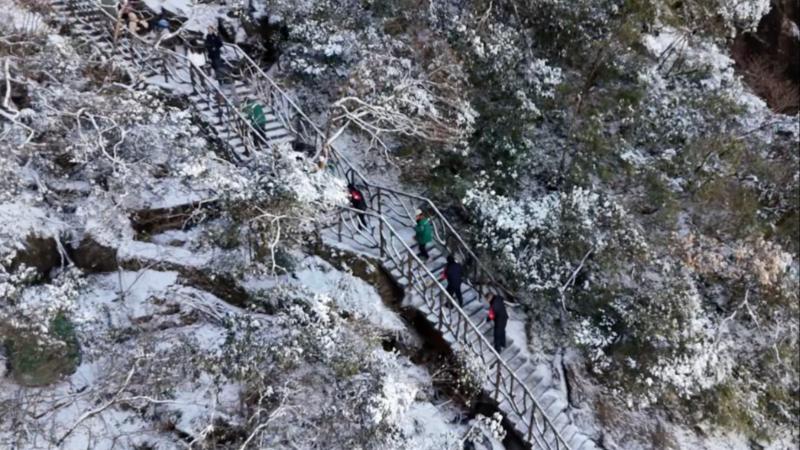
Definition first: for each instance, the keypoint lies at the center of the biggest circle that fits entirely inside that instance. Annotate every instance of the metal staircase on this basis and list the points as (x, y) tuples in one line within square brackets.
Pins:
[(524, 392), (216, 103)]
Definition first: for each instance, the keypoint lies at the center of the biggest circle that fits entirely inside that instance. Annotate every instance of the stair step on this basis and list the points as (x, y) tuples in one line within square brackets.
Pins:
[(510, 352), (272, 120), (524, 373), (581, 442), (517, 362), (569, 432), (276, 133), (479, 312)]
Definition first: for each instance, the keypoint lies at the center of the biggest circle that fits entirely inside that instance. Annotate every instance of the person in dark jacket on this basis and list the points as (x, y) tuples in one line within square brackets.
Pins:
[(358, 202), (452, 273), (302, 147), (497, 313), (214, 50)]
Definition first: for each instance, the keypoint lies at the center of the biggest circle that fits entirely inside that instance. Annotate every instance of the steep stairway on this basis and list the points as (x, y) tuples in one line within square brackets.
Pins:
[(219, 104), (524, 391)]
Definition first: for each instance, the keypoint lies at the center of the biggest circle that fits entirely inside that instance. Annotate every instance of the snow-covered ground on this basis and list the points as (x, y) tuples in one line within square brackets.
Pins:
[(131, 323)]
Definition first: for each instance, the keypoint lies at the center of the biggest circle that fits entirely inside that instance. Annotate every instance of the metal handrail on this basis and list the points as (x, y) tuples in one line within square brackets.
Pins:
[(558, 439), (546, 425), (334, 151), (338, 156), (432, 280), (206, 82)]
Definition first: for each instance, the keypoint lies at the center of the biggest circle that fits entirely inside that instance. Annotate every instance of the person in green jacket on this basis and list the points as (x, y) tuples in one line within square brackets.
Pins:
[(255, 113), (424, 233)]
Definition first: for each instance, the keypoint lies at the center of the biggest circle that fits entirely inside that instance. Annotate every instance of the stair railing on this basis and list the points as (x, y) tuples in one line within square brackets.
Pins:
[(383, 200), (391, 245), (379, 198), (506, 385), (145, 56)]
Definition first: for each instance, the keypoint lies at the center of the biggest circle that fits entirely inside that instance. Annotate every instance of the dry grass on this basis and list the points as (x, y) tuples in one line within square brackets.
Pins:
[(660, 438), (767, 80), (766, 75), (607, 414)]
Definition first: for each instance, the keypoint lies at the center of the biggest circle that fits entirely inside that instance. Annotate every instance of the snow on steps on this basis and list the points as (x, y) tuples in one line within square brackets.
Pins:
[(536, 377), (89, 25)]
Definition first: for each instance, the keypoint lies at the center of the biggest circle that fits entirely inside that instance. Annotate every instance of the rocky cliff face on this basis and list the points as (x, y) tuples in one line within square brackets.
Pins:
[(769, 57)]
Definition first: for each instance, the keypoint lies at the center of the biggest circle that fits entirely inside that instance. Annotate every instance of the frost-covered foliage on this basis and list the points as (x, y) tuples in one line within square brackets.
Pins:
[(664, 230), (493, 426), (676, 341), (393, 95), (386, 83), (35, 324), (324, 36), (739, 15), (30, 310), (371, 399), (165, 362), (470, 374), (15, 20), (543, 241), (692, 91), (118, 181), (618, 168), (128, 150)]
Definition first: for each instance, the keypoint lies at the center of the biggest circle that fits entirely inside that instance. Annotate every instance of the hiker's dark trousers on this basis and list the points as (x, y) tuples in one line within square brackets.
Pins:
[(455, 292), (500, 335)]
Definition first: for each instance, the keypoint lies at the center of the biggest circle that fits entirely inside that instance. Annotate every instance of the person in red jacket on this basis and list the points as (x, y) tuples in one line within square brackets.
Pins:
[(498, 314), (358, 202)]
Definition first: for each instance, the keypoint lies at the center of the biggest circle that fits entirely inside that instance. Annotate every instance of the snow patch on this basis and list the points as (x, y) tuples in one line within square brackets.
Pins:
[(18, 221)]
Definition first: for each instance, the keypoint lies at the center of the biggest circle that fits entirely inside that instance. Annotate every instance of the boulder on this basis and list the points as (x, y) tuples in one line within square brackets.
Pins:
[(147, 222), (93, 256), (38, 252)]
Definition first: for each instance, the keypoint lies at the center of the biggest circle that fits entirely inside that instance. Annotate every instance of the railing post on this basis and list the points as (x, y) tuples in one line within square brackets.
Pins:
[(219, 106), (511, 390), (466, 332), (458, 326), (524, 400), (191, 77), (410, 259), (441, 310), (380, 231), (530, 423), (497, 381), (379, 200), (339, 226)]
